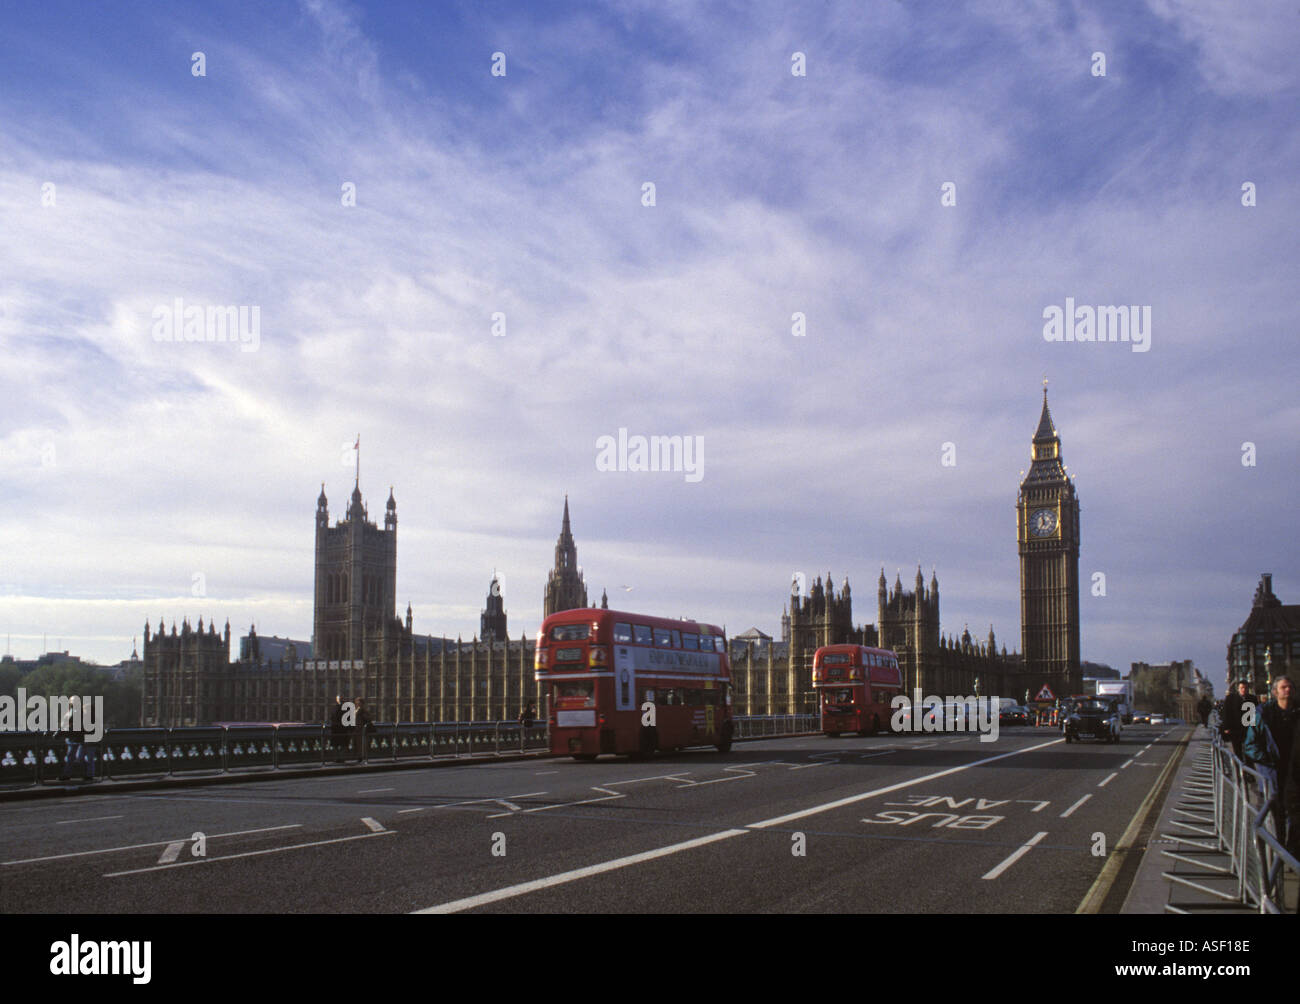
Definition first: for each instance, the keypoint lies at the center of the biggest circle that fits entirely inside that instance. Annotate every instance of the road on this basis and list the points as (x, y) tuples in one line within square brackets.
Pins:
[(918, 824)]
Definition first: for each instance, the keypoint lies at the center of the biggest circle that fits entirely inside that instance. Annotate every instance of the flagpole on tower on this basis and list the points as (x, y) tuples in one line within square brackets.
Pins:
[(357, 447)]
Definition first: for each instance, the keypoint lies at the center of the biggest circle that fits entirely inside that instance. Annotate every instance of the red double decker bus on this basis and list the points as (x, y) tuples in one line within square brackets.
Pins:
[(602, 668), (857, 685)]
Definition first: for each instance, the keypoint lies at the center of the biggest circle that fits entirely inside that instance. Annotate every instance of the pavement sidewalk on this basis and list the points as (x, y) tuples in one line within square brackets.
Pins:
[(1182, 869)]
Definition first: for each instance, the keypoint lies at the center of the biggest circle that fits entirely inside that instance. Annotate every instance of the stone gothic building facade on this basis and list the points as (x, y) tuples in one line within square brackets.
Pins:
[(362, 650)]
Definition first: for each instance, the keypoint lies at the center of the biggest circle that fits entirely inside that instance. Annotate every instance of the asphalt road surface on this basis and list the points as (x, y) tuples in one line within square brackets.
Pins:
[(911, 824)]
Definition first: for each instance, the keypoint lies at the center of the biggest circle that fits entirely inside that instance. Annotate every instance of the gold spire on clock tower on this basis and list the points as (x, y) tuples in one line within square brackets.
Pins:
[(1048, 535)]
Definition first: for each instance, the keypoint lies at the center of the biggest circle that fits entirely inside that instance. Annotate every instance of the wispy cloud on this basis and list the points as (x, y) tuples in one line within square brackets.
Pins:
[(522, 196)]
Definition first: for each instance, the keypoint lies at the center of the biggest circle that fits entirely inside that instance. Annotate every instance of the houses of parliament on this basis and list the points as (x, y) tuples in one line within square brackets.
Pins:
[(361, 648)]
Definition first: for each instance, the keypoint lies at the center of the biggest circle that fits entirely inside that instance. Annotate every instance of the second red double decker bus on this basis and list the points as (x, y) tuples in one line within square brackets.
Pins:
[(602, 668), (856, 685)]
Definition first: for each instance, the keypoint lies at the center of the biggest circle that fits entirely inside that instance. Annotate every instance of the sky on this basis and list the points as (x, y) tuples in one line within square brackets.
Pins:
[(504, 292)]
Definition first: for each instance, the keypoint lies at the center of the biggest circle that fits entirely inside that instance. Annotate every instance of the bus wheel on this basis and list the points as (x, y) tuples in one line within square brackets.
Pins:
[(724, 743)]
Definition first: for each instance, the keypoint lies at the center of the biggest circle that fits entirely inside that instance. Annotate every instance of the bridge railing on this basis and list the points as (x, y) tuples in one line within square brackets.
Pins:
[(757, 726), (33, 758), (1245, 824)]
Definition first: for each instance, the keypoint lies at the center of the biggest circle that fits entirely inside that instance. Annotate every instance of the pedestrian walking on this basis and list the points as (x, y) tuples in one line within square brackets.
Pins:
[(338, 730), (74, 742), (363, 721), (1269, 741), (1231, 725)]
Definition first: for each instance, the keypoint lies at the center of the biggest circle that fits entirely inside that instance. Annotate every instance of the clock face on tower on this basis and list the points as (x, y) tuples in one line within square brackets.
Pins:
[(1042, 523)]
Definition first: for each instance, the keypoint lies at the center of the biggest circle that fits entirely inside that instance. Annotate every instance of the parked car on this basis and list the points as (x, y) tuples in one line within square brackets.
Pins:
[(1093, 720), (1157, 719)]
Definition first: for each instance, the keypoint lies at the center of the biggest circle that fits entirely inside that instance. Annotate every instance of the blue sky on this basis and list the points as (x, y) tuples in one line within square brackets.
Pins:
[(133, 465)]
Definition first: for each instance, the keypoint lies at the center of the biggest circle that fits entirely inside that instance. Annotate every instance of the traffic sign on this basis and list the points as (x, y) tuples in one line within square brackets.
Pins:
[(1045, 694)]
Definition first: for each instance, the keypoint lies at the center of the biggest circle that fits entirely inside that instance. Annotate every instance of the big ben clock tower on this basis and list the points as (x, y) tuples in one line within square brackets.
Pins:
[(1047, 519)]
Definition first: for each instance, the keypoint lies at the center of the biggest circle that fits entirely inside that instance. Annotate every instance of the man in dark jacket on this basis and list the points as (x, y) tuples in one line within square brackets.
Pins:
[(1292, 800), (338, 731), (1230, 723), (1269, 742), (1203, 708)]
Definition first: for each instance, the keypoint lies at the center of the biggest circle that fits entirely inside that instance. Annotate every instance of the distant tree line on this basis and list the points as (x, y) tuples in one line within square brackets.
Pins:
[(121, 697)]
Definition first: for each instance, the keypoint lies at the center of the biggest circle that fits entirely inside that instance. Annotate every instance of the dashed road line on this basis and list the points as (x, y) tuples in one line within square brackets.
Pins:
[(92, 819), (155, 843), (171, 852), (1108, 780), (250, 854), (374, 825), (1015, 856), (1068, 812)]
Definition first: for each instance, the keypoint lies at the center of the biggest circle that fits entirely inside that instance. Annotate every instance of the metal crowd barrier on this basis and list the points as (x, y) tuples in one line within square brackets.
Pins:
[(757, 726), (1245, 828)]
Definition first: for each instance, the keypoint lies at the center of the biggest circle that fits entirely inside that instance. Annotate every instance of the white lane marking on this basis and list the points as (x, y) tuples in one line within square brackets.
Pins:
[(374, 825), (171, 852), (471, 801), (92, 819), (543, 773), (136, 847), (1141, 751), (508, 892), (251, 854), (868, 756), (1071, 809), (852, 799), (1016, 855), (1125, 763), (1108, 780), (564, 805), (455, 906), (371, 791), (1037, 805)]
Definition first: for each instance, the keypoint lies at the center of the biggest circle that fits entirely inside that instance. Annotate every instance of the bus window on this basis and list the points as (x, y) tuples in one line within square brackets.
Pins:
[(717, 644), (677, 638), (690, 642), (663, 638), (570, 632), (642, 634), (622, 634), (574, 692)]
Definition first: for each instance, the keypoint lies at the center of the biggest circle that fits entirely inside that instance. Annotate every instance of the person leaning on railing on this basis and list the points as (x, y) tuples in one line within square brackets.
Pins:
[(1269, 744)]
